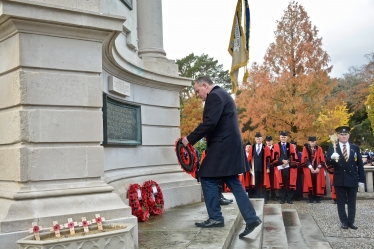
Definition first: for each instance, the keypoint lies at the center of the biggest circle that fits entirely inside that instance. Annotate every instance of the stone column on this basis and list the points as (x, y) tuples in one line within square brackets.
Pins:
[(150, 29), (51, 160)]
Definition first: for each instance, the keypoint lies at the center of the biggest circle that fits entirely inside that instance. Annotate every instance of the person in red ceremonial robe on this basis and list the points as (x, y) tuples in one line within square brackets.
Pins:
[(285, 168), (259, 158), (269, 144), (314, 164)]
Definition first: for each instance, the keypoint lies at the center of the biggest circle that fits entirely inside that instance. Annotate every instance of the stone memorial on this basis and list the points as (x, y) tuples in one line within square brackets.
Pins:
[(57, 59)]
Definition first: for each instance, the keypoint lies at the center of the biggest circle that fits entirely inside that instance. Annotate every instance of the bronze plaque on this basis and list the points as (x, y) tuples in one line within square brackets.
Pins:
[(122, 123)]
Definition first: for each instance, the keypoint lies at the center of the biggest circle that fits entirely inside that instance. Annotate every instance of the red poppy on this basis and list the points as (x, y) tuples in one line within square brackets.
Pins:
[(56, 227), (155, 202), (138, 206), (71, 224), (84, 223), (98, 220), (35, 229)]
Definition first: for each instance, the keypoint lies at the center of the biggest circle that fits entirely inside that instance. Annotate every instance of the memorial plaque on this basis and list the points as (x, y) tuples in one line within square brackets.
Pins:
[(118, 86), (122, 123)]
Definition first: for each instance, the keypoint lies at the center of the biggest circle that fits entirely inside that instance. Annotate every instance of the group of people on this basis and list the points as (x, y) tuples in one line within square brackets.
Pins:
[(282, 167), (225, 160)]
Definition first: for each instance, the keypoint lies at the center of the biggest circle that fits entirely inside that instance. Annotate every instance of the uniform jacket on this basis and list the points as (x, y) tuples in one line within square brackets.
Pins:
[(319, 159), (347, 174), (266, 163), (225, 151)]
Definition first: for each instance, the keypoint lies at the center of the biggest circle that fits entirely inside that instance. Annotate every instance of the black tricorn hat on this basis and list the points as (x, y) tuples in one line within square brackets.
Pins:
[(293, 142), (343, 129), (248, 143), (269, 138), (312, 138), (283, 133), (258, 134)]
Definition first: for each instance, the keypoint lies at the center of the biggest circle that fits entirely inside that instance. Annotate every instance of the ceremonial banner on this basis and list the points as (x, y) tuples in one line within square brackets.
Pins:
[(237, 46)]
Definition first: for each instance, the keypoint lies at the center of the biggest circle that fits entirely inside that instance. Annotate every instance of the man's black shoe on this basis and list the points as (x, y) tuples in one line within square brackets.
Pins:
[(281, 202), (310, 201), (289, 202), (250, 227), (210, 223), (318, 201), (230, 200), (335, 202), (223, 201), (344, 226), (351, 226)]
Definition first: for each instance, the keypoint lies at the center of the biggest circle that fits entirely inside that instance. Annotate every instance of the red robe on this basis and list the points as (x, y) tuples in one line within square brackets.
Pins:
[(319, 160), (331, 175), (266, 159), (291, 153)]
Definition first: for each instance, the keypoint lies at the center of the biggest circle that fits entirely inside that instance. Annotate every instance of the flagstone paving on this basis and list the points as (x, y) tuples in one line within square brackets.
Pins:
[(326, 216)]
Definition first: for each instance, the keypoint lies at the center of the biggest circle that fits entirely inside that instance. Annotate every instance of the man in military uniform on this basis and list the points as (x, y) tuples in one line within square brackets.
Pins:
[(348, 175)]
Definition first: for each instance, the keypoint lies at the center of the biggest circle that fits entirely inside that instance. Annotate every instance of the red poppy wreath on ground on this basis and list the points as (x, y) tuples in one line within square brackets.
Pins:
[(138, 206), (153, 195)]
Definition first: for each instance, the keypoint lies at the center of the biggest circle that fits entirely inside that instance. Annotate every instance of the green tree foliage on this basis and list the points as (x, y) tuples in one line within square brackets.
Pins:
[(193, 66)]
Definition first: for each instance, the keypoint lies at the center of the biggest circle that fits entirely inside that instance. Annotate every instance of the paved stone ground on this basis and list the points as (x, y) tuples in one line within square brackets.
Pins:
[(325, 215)]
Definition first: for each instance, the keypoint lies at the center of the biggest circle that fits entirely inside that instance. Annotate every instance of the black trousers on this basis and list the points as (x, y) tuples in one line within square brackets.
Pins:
[(286, 193), (342, 194), (259, 181)]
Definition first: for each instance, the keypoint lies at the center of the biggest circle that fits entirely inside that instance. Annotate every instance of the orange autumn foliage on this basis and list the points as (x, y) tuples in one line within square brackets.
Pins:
[(292, 86), (191, 115)]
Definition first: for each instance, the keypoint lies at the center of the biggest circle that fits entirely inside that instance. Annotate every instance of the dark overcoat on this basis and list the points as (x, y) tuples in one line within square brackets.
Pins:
[(225, 151), (347, 174)]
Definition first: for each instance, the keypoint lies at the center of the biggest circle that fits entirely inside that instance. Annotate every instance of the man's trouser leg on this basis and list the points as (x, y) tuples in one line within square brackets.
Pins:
[(211, 197), (245, 206)]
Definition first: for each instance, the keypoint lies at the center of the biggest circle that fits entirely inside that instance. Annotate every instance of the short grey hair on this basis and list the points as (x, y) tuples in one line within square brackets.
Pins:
[(205, 79)]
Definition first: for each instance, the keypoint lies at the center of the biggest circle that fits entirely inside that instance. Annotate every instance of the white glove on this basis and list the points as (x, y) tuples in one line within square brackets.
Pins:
[(361, 184), (310, 167), (334, 156)]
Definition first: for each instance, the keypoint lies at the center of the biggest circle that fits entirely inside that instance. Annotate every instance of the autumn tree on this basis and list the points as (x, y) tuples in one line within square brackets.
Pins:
[(191, 115), (290, 89)]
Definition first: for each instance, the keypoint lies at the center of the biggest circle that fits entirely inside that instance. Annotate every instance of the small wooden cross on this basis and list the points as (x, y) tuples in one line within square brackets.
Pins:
[(85, 224), (71, 225), (35, 229), (56, 228), (99, 221)]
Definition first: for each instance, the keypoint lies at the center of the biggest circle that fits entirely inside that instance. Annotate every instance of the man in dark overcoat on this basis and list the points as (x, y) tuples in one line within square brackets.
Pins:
[(225, 157), (348, 175)]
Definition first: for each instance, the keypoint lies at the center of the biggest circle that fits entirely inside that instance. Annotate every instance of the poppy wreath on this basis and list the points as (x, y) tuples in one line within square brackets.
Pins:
[(139, 207), (155, 201), (187, 157)]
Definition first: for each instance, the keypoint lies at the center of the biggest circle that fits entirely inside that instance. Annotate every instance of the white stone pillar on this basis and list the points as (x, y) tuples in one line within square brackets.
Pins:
[(150, 33), (51, 160)]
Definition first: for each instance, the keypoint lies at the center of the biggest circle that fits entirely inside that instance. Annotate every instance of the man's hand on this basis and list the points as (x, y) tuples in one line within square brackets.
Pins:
[(317, 170), (285, 162), (334, 156), (185, 141), (267, 170)]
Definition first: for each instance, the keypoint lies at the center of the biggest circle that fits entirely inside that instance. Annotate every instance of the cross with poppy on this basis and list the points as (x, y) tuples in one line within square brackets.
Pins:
[(35, 229), (99, 221), (56, 228), (71, 225), (85, 224)]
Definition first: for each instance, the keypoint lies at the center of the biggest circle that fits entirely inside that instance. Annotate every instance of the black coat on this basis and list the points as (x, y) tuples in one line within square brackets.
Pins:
[(225, 151), (347, 174)]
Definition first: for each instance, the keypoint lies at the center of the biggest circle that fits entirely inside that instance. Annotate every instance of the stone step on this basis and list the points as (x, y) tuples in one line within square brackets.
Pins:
[(295, 236), (313, 233), (175, 228), (254, 239), (274, 232)]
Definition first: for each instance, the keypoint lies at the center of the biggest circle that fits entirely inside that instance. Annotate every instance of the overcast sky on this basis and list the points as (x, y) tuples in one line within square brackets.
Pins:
[(204, 26)]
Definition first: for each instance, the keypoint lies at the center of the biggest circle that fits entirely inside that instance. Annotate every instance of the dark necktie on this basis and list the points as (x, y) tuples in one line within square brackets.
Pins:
[(345, 152), (284, 148)]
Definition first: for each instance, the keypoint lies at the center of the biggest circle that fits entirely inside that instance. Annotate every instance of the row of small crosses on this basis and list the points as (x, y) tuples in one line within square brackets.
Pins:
[(71, 224)]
